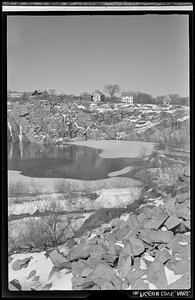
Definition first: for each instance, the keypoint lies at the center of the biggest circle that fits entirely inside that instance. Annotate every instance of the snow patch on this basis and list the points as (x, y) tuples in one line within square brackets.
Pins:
[(143, 265), (148, 257), (119, 244), (164, 228), (40, 263), (116, 197), (62, 281), (183, 243), (151, 285), (124, 217), (171, 276), (120, 172)]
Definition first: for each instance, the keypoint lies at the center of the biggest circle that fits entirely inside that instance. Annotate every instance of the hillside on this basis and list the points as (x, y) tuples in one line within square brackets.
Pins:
[(47, 122)]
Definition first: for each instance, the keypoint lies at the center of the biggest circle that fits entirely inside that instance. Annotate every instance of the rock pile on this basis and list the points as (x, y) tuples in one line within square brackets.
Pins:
[(148, 249), (135, 253), (84, 121)]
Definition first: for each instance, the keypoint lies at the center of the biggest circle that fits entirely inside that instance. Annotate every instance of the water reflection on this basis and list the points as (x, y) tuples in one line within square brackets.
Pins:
[(72, 161), (22, 151)]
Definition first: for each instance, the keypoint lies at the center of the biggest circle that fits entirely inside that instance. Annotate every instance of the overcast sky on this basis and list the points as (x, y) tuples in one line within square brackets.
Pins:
[(75, 54)]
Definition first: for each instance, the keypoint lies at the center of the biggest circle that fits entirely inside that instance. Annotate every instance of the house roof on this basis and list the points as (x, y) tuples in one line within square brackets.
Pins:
[(98, 92), (37, 92)]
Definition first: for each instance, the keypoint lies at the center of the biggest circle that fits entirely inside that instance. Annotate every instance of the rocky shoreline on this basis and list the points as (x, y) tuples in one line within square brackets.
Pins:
[(145, 249)]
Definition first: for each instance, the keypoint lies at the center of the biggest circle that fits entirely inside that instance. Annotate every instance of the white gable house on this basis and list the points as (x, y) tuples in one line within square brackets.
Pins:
[(127, 98)]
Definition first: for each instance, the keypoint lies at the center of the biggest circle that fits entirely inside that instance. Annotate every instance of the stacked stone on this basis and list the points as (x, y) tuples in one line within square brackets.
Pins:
[(133, 254)]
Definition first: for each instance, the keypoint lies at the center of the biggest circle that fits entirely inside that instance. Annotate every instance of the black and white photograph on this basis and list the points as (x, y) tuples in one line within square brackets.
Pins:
[(98, 104)]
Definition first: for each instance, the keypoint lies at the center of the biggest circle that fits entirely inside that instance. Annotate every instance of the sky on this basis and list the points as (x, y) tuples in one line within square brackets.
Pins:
[(76, 54)]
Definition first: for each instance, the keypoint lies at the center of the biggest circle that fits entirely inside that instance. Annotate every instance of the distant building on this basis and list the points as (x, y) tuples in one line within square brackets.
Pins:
[(37, 93), (98, 96), (167, 100), (127, 97)]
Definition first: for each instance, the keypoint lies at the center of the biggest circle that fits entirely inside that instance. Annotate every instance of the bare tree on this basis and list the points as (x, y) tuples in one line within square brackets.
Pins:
[(24, 97), (54, 228), (112, 89)]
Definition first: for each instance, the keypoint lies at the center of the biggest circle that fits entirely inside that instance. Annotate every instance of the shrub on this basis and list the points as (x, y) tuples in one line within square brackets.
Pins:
[(47, 231), (158, 171), (53, 227), (168, 175), (18, 188), (167, 135), (34, 188), (62, 186)]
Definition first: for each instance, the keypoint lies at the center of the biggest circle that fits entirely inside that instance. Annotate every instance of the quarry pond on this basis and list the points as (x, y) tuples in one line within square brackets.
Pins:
[(88, 160)]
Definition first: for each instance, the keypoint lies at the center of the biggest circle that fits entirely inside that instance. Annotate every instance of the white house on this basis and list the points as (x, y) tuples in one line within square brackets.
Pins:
[(127, 98), (98, 96)]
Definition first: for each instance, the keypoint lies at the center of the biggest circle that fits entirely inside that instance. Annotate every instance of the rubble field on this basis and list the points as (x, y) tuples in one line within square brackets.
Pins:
[(148, 248)]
